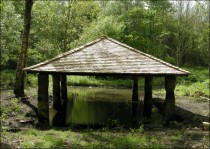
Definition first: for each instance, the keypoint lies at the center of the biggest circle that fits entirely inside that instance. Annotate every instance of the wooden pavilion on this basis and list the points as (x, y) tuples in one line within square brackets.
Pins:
[(103, 57)]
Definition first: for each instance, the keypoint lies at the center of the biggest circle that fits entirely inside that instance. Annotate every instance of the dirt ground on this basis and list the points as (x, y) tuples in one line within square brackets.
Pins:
[(187, 107), (195, 111), (22, 118)]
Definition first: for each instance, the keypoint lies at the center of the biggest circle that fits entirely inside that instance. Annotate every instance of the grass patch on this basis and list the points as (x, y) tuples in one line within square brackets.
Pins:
[(8, 110), (196, 89), (60, 138), (96, 81), (90, 138), (195, 85)]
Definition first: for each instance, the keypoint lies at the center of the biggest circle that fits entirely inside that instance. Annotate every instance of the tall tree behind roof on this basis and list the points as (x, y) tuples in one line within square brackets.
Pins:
[(19, 81)]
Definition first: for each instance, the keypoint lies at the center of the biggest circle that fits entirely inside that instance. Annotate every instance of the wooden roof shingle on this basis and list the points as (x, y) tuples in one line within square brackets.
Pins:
[(106, 56)]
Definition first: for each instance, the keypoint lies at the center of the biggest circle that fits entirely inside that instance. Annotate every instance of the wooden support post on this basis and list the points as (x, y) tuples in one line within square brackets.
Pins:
[(135, 95), (64, 99), (43, 104), (170, 83), (63, 88), (56, 92), (148, 97)]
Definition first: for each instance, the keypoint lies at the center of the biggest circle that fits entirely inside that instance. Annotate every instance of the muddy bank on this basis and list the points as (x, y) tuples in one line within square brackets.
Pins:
[(187, 109)]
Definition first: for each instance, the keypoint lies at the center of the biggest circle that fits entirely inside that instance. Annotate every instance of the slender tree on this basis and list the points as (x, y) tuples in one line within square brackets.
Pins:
[(19, 81)]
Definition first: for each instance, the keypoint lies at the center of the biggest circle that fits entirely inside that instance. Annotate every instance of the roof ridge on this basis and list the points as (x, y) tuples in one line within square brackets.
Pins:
[(147, 55), (65, 53)]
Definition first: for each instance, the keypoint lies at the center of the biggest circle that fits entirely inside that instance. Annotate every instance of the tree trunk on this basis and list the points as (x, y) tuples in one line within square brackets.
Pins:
[(19, 81)]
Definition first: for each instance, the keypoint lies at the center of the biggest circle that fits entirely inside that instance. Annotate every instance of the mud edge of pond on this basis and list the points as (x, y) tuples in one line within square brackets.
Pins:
[(181, 114)]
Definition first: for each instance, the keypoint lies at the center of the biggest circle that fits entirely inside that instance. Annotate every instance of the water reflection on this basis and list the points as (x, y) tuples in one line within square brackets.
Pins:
[(104, 106)]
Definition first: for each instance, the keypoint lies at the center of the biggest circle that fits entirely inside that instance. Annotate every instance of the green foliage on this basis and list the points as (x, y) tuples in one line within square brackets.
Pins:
[(11, 28), (198, 74), (103, 26), (196, 89), (8, 77), (31, 80), (166, 30)]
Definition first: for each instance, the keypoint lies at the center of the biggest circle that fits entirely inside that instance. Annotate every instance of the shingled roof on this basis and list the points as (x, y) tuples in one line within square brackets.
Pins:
[(106, 56)]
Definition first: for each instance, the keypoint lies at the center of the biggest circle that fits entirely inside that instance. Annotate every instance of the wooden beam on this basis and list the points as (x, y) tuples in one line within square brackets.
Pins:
[(135, 95), (56, 92), (170, 83), (43, 104), (148, 97)]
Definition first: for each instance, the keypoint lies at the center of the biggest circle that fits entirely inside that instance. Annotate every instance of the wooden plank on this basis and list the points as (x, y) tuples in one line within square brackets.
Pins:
[(43, 104), (148, 96), (170, 83)]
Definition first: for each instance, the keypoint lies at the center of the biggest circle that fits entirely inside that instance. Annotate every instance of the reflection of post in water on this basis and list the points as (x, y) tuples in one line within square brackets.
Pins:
[(134, 109), (69, 107), (135, 97), (59, 105)]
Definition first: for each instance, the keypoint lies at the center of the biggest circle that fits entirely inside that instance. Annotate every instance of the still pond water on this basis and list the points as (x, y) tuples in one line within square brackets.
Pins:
[(105, 106)]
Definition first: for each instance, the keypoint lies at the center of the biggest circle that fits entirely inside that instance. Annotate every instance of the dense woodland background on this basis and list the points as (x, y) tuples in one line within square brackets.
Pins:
[(175, 31)]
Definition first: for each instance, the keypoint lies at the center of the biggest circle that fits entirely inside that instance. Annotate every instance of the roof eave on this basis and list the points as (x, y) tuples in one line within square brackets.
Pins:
[(98, 73)]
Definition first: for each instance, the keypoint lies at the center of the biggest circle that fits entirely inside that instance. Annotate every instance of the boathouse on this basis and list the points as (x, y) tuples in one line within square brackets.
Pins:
[(103, 57)]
